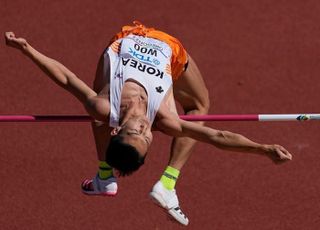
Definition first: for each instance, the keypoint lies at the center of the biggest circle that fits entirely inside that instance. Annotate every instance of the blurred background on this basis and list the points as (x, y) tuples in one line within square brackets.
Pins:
[(256, 57)]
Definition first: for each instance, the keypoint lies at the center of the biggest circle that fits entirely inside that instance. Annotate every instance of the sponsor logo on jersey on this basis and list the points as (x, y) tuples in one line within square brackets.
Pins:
[(149, 45), (144, 58), (144, 68)]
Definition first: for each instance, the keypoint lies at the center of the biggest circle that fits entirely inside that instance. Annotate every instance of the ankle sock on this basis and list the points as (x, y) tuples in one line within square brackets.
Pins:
[(169, 177), (105, 170)]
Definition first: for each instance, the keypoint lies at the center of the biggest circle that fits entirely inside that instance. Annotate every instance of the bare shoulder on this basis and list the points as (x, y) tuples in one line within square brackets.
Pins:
[(168, 104), (167, 120), (163, 111), (98, 107), (167, 108)]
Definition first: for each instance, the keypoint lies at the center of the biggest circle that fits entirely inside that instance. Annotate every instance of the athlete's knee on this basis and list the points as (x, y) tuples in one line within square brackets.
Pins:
[(204, 104), (199, 108)]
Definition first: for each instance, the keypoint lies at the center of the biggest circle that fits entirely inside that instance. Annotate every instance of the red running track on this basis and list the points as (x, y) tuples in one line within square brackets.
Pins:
[(256, 57)]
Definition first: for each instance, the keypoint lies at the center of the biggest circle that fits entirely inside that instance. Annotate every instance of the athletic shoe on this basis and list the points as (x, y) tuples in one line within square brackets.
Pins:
[(97, 186), (168, 199)]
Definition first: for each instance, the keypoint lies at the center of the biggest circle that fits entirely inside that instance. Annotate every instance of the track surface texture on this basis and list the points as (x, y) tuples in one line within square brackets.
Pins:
[(255, 56)]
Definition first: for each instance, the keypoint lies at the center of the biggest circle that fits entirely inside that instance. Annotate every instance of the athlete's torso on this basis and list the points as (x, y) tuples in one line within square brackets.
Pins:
[(145, 61)]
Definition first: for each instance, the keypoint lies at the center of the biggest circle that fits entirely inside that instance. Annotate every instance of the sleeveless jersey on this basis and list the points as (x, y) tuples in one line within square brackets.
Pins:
[(142, 59)]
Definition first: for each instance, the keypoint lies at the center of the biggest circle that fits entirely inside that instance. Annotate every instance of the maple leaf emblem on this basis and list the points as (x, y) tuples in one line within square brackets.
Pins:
[(159, 89)]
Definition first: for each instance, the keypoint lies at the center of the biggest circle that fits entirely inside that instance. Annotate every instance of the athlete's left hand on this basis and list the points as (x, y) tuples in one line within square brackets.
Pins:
[(277, 153)]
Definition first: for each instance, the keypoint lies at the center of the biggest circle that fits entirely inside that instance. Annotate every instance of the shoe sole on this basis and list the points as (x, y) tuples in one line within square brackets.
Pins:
[(158, 200), (98, 194), (95, 193)]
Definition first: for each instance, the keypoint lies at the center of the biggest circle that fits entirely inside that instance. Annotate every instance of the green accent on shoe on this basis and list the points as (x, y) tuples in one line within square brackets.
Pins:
[(170, 177), (105, 170)]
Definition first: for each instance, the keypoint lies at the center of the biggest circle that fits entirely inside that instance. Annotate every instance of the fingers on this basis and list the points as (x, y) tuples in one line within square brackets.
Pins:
[(12, 41), (285, 152), (279, 154), (282, 153), (10, 35)]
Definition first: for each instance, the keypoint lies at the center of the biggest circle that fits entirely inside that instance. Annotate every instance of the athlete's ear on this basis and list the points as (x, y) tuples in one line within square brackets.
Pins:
[(115, 131)]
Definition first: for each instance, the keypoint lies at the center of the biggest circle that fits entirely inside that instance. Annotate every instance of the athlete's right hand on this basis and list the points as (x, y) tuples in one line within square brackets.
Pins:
[(18, 43)]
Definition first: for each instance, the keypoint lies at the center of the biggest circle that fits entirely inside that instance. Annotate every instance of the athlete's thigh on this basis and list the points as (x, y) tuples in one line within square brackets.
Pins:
[(102, 78), (190, 89)]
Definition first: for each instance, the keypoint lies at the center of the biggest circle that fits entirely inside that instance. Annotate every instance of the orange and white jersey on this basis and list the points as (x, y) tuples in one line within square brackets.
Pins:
[(142, 59)]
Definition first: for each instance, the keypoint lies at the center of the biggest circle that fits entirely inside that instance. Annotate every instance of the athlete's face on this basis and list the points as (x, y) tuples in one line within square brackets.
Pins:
[(137, 132)]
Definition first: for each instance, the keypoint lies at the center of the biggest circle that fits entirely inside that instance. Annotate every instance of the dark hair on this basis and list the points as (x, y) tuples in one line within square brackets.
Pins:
[(122, 156)]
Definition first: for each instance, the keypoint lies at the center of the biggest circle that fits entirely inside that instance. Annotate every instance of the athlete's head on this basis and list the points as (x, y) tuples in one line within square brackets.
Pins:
[(129, 145)]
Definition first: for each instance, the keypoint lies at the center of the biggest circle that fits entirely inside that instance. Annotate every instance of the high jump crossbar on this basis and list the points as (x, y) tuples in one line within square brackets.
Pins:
[(212, 117)]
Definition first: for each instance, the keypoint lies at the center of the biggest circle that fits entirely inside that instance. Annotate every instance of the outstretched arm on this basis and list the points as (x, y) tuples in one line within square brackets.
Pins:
[(62, 76), (170, 124)]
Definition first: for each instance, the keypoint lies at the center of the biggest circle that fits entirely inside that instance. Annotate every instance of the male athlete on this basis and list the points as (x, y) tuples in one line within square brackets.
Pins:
[(138, 77)]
